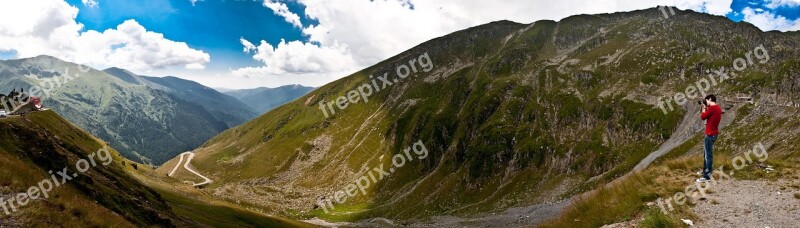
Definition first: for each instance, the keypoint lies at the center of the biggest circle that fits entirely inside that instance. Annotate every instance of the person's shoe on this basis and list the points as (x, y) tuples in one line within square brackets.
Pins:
[(701, 180)]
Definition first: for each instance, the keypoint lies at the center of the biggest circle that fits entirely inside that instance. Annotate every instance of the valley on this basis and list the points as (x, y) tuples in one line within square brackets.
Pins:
[(591, 120)]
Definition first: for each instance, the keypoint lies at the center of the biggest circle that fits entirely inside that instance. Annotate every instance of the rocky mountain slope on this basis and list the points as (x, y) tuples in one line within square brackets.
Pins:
[(145, 124), (510, 115)]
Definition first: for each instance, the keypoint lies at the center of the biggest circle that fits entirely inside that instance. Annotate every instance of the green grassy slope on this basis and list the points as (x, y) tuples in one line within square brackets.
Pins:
[(39, 142), (120, 194), (201, 209)]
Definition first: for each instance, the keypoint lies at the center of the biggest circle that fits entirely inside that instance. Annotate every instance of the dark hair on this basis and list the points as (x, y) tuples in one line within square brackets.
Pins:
[(711, 97)]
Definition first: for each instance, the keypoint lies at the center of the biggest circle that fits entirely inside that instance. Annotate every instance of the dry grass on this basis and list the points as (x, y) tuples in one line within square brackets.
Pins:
[(628, 197)]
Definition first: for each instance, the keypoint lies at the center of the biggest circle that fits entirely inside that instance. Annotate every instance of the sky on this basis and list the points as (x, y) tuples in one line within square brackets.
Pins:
[(239, 44)]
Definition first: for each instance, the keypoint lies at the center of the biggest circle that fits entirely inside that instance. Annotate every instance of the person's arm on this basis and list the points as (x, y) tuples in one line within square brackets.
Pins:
[(705, 113)]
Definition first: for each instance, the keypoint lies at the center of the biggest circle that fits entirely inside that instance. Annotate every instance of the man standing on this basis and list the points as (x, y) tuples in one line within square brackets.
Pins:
[(712, 114)]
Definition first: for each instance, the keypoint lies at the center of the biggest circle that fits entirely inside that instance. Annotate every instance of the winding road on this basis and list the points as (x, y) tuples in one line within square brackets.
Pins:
[(206, 180)]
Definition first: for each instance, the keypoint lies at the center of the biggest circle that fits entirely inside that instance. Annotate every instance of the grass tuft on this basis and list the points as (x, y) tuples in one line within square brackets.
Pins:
[(655, 218)]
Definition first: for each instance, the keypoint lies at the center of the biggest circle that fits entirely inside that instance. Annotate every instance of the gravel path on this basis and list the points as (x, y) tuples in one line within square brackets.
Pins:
[(513, 217), (744, 203)]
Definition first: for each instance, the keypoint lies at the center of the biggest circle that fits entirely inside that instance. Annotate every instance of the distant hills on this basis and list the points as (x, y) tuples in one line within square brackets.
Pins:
[(263, 99), (147, 119), (223, 107)]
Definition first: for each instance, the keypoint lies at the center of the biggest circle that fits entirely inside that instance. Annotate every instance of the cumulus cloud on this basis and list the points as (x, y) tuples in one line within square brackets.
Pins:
[(296, 57), (768, 21), (48, 27), (365, 32)]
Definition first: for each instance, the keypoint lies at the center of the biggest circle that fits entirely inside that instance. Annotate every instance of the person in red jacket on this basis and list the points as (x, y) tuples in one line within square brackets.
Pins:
[(712, 114)]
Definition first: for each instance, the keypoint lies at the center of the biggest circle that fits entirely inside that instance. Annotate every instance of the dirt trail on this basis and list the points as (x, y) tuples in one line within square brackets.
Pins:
[(206, 180)]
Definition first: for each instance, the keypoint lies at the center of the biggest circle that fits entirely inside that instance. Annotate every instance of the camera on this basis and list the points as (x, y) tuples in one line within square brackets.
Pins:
[(702, 102)]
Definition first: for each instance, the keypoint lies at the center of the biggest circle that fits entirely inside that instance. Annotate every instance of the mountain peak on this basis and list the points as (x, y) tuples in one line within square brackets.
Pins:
[(45, 57), (124, 75), (118, 70)]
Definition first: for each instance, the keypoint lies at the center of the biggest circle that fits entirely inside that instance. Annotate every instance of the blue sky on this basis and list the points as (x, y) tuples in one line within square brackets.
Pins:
[(252, 43), (213, 26), (792, 13)]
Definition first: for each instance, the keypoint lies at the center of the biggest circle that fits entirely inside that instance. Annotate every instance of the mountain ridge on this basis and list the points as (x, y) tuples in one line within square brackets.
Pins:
[(232, 111), (264, 99)]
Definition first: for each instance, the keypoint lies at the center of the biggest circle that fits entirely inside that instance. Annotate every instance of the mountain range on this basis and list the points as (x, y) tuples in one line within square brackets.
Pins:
[(147, 119), (264, 99), (552, 123), (228, 109)]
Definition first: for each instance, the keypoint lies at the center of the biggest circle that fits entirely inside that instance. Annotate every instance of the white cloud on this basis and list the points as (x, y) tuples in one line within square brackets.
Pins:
[(774, 4), (297, 57), (248, 47), (195, 66), (282, 10), (90, 3), (768, 21), (716, 7), (48, 27), (364, 32)]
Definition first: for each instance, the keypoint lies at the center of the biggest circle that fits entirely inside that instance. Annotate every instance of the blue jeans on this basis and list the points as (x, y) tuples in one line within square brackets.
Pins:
[(708, 159)]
